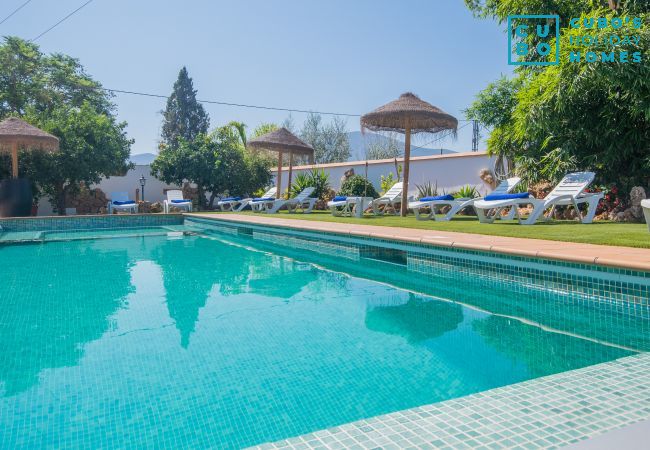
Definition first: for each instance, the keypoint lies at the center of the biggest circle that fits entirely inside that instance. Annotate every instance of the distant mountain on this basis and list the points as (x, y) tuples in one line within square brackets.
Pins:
[(358, 143), (143, 159)]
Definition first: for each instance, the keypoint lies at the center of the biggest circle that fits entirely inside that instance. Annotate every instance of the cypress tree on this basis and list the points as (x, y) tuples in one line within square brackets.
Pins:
[(183, 117)]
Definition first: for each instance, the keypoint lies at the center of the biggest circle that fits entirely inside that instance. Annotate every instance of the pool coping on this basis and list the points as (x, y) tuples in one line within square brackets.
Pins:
[(600, 255), (542, 413)]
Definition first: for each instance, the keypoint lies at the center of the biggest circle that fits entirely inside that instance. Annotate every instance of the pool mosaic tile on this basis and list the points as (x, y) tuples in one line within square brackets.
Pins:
[(150, 299), (544, 413), (591, 282), (89, 222)]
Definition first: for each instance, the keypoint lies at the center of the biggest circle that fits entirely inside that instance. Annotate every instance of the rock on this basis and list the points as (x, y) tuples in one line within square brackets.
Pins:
[(488, 178), (628, 216), (156, 207), (87, 201), (570, 214), (144, 207), (637, 194), (348, 174), (540, 190)]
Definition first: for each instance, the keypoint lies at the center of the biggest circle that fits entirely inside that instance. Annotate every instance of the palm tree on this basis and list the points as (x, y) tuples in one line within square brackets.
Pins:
[(240, 128)]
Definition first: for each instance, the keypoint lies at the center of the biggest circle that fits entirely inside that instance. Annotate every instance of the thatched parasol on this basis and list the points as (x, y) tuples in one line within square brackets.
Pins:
[(282, 140), (408, 114), (16, 133)]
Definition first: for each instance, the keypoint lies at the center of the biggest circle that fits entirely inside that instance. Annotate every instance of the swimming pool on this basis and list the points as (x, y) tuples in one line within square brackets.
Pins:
[(207, 335)]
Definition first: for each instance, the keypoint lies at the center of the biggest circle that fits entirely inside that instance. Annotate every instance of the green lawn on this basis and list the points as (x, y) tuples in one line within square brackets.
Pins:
[(603, 233)]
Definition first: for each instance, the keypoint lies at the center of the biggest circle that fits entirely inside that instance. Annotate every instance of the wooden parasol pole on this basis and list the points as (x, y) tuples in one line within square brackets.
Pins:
[(407, 158), (14, 160), (290, 171), (278, 183)]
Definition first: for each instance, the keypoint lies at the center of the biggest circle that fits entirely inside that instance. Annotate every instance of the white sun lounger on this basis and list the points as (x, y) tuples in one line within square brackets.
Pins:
[(231, 203), (120, 202), (175, 200), (391, 198), (569, 192), (238, 204), (458, 204), (645, 204), (257, 204), (300, 201), (350, 206)]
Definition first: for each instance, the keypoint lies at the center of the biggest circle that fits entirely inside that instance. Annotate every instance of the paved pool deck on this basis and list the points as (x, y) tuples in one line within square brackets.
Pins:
[(602, 255)]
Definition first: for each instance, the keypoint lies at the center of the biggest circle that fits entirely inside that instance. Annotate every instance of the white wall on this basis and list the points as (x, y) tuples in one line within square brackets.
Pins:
[(153, 190), (449, 171)]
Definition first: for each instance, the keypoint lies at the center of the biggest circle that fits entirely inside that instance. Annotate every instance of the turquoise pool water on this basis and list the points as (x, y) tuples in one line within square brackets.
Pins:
[(172, 340)]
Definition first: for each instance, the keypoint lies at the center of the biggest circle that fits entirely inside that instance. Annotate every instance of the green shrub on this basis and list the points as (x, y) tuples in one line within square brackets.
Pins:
[(318, 179), (427, 189), (467, 192), (387, 181), (358, 186)]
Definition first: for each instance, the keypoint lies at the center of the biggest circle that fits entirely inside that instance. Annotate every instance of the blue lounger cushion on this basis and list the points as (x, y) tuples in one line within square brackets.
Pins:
[(339, 198), (264, 199), (506, 196), (229, 199), (181, 201), (126, 202), (447, 197)]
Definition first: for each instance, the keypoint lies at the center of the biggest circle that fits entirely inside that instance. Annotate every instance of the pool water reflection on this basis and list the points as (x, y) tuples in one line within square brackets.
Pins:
[(198, 341)]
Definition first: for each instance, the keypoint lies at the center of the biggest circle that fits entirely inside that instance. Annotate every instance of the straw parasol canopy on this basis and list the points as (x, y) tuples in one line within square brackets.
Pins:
[(15, 133), (408, 114), (283, 140)]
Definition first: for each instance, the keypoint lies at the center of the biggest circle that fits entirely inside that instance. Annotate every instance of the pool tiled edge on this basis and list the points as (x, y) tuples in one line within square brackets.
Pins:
[(64, 223), (543, 413), (599, 255)]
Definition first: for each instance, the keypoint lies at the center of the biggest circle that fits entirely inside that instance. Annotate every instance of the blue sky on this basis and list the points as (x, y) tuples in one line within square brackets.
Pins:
[(347, 56)]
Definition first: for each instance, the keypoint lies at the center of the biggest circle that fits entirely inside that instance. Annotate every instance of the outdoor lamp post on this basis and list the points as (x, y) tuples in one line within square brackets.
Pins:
[(143, 181)]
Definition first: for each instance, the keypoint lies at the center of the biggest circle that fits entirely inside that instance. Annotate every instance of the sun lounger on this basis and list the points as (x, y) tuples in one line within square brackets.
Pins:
[(348, 206), (569, 192), (645, 204), (300, 201), (456, 205), (120, 202), (175, 200), (256, 204), (390, 199)]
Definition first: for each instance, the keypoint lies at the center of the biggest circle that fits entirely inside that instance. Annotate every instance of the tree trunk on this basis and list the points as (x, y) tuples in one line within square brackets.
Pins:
[(201, 194), (60, 192)]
